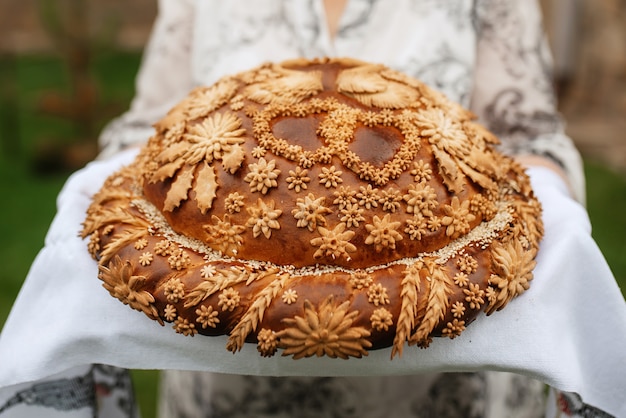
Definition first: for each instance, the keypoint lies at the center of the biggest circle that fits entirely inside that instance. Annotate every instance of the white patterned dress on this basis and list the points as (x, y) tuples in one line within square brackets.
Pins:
[(488, 55)]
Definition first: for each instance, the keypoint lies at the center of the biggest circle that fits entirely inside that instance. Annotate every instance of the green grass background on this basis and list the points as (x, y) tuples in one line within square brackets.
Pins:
[(28, 198)]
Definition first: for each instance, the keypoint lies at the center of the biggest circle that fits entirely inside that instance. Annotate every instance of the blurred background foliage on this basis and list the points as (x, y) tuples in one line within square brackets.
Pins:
[(68, 66)]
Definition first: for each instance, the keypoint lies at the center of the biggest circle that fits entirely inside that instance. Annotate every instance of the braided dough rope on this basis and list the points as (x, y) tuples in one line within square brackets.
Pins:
[(325, 207)]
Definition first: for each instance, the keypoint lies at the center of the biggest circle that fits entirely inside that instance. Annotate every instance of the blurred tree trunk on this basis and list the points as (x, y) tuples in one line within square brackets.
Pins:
[(67, 22), (9, 126)]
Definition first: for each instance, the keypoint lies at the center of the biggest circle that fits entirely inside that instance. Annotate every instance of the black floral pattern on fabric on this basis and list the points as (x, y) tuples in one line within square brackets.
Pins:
[(294, 397), (61, 394), (78, 392), (447, 73), (454, 395), (511, 112)]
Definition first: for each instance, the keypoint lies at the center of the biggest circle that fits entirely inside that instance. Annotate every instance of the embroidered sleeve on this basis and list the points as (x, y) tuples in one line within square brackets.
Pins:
[(513, 94)]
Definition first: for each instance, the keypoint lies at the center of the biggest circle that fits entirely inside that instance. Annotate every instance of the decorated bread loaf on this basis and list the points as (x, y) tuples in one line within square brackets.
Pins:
[(325, 207)]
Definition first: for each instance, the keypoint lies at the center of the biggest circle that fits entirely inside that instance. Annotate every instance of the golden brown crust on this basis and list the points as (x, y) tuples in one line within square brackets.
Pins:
[(324, 207)]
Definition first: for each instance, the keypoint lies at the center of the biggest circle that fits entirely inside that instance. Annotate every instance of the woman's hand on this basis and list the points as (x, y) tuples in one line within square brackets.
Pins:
[(529, 160)]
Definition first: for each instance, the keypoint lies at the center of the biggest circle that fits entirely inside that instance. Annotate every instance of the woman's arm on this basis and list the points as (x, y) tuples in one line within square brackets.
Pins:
[(513, 93)]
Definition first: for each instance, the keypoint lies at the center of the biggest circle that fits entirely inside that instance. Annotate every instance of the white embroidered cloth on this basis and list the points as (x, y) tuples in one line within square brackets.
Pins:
[(568, 329)]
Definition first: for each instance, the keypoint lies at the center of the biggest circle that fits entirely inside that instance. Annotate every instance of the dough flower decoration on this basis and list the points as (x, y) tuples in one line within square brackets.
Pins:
[(513, 268), (326, 331), (218, 137), (298, 179), (285, 86), (207, 317), (374, 88), (421, 199), (262, 176), (383, 233), (263, 218), (381, 319), (457, 217), (334, 243), (225, 236), (310, 212), (454, 150), (119, 280), (352, 215)]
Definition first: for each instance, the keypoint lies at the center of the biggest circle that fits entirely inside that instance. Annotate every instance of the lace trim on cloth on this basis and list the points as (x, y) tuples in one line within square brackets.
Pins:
[(101, 391)]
